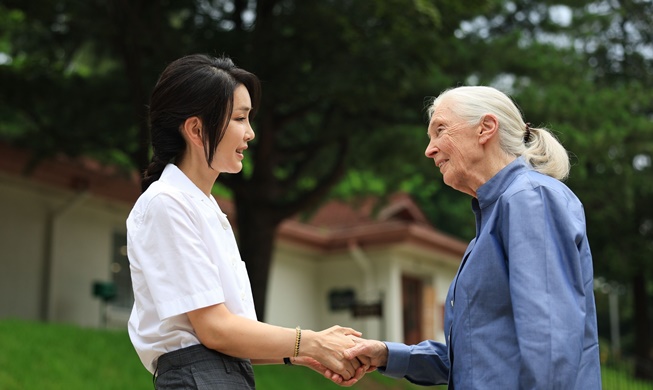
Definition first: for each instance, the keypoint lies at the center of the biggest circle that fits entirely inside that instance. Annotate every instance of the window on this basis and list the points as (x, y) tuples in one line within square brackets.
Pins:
[(412, 308), (419, 304), (120, 273)]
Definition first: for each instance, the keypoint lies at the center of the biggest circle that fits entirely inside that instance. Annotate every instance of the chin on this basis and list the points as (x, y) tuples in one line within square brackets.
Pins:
[(235, 169)]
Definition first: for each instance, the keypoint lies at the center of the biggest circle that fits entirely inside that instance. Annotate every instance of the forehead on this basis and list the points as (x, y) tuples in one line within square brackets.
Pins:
[(443, 114), (242, 98)]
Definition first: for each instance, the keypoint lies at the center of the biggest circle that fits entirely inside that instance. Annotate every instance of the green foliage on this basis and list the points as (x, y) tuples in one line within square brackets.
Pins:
[(56, 356), (340, 78), (345, 83)]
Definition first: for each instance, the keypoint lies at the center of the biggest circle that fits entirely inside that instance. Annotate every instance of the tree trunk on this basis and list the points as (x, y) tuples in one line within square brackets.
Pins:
[(256, 236), (643, 362)]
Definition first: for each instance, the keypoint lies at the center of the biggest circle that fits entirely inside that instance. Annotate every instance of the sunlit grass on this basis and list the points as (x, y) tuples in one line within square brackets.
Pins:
[(54, 356)]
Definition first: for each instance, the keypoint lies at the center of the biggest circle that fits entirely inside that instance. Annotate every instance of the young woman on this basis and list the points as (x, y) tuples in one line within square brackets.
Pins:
[(193, 324)]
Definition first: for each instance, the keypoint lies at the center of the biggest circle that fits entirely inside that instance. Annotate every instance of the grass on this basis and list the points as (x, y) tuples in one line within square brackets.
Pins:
[(54, 356)]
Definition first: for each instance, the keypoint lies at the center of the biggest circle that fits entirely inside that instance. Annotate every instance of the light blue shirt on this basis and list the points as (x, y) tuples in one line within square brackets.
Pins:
[(520, 313)]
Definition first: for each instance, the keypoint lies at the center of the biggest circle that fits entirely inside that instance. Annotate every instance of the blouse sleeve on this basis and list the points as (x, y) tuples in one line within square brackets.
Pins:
[(167, 245), (545, 229)]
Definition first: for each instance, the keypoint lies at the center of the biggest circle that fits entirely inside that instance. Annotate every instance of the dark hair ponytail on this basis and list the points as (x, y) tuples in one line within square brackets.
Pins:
[(195, 85)]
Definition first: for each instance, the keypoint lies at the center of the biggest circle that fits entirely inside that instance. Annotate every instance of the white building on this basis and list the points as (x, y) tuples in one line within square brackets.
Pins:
[(62, 242)]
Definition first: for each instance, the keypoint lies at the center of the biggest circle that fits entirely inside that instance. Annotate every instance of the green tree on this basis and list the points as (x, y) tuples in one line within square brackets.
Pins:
[(340, 79), (585, 69)]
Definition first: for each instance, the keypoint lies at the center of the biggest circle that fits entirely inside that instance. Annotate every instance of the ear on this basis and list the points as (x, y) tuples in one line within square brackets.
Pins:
[(488, 128), (191, 130)]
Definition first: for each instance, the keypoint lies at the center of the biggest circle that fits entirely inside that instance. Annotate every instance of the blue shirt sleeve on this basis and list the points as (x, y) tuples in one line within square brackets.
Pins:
[(545, 233), (424, 364)]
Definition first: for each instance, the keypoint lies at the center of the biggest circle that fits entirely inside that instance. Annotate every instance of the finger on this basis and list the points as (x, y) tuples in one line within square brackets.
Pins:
[(337, 378), (365, 360), (351, 331), (348, 383), (360, 372), (333, 377), (354, 351)]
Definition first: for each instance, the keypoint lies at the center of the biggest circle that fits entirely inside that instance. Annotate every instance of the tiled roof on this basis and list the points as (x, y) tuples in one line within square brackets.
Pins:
[(334, 225)]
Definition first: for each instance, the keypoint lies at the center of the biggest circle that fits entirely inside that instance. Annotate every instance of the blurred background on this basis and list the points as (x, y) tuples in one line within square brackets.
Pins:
[(336, 178)]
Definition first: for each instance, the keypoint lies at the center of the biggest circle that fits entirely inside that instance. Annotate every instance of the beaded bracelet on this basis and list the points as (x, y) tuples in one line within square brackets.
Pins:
[(298, 339)]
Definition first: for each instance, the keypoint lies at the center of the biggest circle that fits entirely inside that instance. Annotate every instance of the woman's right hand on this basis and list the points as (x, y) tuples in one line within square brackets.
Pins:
[(328, 346)]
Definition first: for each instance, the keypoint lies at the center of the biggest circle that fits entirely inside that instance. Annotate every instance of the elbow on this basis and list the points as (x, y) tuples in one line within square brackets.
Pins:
[(213, 338), (212, 327)]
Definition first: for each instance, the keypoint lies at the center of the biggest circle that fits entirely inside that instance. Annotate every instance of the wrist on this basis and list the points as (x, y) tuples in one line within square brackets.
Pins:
[(298, 341), (307, 344)]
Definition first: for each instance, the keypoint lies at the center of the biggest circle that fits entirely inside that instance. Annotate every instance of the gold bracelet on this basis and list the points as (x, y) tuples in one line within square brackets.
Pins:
[(298, 339)]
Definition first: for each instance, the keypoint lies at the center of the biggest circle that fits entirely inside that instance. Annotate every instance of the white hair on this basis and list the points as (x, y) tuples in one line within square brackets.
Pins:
[(541, 148)]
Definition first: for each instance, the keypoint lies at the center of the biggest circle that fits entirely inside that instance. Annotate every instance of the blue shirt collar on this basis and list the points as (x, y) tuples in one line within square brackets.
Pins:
[(489, 192)]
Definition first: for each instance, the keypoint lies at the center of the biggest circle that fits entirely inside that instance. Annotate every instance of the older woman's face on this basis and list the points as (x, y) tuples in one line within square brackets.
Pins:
[(453, 146)]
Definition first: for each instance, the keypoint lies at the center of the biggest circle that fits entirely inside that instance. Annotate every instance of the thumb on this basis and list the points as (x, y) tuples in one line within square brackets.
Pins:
[(351, 353)]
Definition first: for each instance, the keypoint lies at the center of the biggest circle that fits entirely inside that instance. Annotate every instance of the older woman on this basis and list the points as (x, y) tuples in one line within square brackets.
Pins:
[(520, 313)]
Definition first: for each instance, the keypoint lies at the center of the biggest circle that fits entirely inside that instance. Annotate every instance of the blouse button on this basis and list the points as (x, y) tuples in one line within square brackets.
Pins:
[(452, 303)]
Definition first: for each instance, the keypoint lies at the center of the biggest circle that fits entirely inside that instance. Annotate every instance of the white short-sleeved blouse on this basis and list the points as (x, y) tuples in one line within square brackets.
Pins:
[(183, 256)]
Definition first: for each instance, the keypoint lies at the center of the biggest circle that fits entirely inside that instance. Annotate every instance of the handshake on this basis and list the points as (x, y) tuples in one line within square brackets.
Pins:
[(340, 354)]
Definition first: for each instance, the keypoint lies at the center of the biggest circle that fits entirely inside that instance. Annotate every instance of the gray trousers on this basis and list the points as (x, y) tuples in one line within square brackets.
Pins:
[(200, 368)]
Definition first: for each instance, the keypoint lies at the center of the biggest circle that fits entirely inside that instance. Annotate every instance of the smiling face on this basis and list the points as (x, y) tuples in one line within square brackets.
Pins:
[(454, 147), (229, 152)]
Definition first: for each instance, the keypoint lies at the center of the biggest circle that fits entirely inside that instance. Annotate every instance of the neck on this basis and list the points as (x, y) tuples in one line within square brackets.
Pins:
[(490, 167), (199, 173)]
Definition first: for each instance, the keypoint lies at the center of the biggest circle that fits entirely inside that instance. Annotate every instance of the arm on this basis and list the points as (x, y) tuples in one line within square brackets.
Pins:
[(546, 285), (219, 329), (185, 280), (425, 364)]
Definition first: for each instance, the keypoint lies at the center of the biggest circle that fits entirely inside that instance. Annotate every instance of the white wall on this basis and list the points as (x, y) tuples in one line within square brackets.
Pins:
[(83, 254), (291, 294), (22, 217), (80, 251), (72, 232)]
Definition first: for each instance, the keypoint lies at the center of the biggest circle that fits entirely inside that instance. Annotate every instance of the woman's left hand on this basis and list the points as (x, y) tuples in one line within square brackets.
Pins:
[(320, 368)]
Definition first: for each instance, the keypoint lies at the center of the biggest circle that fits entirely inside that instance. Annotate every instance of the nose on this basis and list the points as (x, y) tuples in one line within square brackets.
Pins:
[(249, 134), (431, 150)]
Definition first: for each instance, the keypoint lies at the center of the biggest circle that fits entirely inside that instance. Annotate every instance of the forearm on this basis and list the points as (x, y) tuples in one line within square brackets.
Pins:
[(233, 335), (219, 329), (261, 362)]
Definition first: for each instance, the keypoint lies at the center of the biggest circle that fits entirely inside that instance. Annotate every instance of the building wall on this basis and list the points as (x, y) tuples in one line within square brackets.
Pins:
[(22, 216), (302, 279), (291, 294), (82, 256), (74, 233), (70, 231)]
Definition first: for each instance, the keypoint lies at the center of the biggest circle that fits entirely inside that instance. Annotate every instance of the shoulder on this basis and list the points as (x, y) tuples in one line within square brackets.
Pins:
[(159, 199), (530, 181), (532, 188)]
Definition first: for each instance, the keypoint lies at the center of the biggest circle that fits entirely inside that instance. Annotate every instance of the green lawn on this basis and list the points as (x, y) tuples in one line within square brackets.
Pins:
[(52, 356)]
